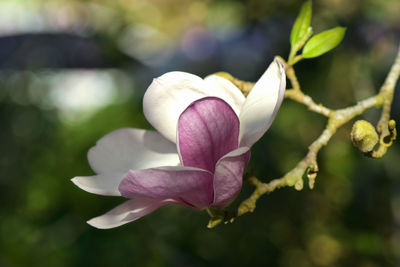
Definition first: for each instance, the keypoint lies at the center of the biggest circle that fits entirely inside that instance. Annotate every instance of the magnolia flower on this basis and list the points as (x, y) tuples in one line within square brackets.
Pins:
[(206, 128)]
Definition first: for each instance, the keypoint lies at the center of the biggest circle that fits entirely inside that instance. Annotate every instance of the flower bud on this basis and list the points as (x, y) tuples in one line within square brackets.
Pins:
[(364, 136), (299, 185)]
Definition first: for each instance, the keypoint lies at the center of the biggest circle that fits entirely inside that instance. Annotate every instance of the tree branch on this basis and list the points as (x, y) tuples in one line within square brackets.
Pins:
[(336, 119)]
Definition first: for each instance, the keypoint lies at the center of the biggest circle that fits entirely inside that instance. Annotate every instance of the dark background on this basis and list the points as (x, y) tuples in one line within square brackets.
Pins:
[(72, 71)]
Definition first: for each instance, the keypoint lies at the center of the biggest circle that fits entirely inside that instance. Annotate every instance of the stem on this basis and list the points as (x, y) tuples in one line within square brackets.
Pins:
[(293, 177), (336, 119), (387, 134), (297, 95), (293, 59), (300, 97)]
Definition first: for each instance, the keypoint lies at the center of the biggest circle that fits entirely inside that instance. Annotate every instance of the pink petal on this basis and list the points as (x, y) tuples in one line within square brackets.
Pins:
[(189, 185), (129, 211), (228, 176), (262, 104), (207, 130)]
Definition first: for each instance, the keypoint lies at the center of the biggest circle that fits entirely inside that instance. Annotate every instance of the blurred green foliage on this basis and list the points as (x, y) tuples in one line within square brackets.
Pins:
[(351, 218)]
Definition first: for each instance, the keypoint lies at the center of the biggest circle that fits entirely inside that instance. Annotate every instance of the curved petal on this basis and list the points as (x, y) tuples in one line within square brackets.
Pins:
[(129, 211), (207, 130), (189, 185), (101, 184), (223, 88), (228, 176), (170, 94), (262, 104), (125, 149)]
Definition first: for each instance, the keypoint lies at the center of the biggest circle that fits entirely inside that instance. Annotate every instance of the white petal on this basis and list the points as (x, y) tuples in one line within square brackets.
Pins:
[(262, 104), (131, 149), (222, 88), (102, 184), (128, 211), (170, 94)]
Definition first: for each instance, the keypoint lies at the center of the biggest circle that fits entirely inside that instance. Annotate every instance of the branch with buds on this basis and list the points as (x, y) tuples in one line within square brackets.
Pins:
[(372, 143)]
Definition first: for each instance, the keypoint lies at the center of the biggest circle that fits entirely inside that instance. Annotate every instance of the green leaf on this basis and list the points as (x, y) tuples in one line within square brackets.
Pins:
[(302, 23), (323, 42)]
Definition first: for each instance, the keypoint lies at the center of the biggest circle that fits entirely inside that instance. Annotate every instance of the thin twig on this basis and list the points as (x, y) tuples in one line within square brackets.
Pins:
[(300, 97), (336, 119)]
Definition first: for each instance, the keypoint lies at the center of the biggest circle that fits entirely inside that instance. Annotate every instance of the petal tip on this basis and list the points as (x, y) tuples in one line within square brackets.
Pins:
[(281, 66), (278, 61), (99, 184), (75, 181), (100, 223), (94, 223)]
